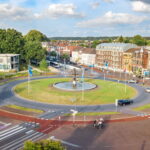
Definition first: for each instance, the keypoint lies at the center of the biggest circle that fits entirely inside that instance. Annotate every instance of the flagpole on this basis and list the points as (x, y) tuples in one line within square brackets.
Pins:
[(28, 79), (125, 82), (29, 76)]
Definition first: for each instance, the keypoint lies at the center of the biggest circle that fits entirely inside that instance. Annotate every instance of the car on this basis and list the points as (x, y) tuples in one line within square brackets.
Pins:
[(123, 102), (132, 81), (147, 89)]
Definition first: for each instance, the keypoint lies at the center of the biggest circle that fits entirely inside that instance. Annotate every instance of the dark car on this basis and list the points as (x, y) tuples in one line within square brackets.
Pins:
[(123, 102)]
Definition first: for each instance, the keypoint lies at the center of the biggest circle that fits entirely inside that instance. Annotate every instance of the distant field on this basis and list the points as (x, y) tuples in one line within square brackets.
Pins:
[(43, 91)]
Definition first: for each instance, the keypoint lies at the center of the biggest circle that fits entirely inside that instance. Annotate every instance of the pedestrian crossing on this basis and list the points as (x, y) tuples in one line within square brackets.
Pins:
[(14, 137)]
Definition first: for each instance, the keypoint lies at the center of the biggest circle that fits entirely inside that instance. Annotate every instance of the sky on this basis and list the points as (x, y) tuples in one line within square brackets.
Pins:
[(77, 17)]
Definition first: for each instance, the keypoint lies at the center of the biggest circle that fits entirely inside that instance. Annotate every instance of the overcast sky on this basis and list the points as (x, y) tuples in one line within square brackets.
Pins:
[(77, 17)]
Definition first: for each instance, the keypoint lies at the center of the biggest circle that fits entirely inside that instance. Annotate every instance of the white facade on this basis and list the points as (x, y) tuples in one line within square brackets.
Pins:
[(9, 62), (83, 58), (88, 59), (76, 57)]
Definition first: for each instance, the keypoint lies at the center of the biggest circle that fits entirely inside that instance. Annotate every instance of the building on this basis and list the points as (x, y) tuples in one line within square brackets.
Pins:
[(9, 62), (127, 61), (88, 56), (85, 56), (110, 55), (140, 59)]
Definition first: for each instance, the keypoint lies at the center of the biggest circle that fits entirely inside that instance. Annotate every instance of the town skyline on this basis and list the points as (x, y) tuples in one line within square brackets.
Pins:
[(65, 18)]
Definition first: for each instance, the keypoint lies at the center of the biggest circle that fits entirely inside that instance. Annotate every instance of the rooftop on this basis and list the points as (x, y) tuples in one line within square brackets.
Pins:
[(8, 55), (131, 50), (115, 46)]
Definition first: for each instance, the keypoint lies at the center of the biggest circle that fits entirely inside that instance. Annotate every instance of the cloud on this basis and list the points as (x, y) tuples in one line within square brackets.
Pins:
[(140, 6), (95, 5), (112, 19), (109, 1), (8, 11), (144, 1), (63, 10)]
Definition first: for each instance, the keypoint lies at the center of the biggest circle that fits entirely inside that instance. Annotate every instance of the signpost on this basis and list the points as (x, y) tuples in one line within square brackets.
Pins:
[(116, 104), (74, 112)]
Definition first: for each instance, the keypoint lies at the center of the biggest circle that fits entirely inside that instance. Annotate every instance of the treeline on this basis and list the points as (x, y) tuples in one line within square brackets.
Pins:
[(28, 46), (91, 38), (81, 38)]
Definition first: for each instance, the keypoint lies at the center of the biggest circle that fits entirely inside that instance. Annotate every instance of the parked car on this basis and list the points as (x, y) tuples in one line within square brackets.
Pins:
[(147, 89), (123, 102), (132, 81)]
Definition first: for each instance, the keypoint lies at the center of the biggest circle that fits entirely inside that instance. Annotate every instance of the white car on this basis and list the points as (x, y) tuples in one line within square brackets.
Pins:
[(147, 90), (132, 81)]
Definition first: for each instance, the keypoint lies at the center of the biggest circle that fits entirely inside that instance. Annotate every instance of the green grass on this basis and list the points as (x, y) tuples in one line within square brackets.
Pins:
[(43, 91), (142, 107), (25, 108), (93, 113)]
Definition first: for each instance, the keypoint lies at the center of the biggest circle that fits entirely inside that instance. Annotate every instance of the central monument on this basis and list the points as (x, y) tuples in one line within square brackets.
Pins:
[(75, 85)]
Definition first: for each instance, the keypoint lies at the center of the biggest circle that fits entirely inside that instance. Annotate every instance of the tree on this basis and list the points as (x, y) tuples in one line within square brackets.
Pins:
[(95, 43), (120, 39), (35, 35), (43, 145), (43, 65), (139, 40), (12, 41), (53, 54), (34, 51), (65, 57)]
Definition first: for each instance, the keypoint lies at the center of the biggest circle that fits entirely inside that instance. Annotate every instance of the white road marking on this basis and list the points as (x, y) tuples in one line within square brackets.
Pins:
[(64, 142), (9, 129)]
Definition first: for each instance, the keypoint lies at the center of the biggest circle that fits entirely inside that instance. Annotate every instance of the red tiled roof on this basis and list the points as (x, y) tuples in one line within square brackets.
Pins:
[(131, 50)]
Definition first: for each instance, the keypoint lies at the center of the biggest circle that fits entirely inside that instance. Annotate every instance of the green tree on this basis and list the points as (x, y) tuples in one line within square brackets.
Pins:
[(43, 145), (34, 51), (95, 43), (43, 65), (35, 35), (139, 40), (120, 39), (53, 54), (65, 57), (12, 41)]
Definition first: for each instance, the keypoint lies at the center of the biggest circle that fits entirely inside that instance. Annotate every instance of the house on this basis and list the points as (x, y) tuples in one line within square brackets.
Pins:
[(9, 62), (109, 55), (69, 49), (85, 56), (88, 56)]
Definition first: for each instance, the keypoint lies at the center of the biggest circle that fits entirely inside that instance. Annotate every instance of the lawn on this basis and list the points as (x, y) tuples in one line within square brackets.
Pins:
[(106, 92), (25, 108), (142, 107), (93, 113)]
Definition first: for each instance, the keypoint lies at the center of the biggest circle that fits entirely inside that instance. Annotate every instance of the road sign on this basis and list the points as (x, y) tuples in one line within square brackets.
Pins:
[(30, 71), (116, 102)]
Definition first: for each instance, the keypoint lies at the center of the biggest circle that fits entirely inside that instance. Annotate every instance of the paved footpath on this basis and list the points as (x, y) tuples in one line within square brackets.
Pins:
[(47, 125)]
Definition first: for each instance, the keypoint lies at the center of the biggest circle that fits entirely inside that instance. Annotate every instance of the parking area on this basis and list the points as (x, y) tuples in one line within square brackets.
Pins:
[(114, 136)]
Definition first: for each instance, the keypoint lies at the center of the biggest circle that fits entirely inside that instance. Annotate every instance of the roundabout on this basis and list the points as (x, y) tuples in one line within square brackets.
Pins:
[(44, 90), (7, 96)]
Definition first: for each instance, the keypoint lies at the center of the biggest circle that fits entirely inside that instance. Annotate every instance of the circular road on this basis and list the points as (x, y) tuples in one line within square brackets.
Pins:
[(7, 96)]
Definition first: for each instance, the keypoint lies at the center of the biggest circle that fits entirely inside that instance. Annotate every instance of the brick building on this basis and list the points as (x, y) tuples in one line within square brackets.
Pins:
[(111, 54)]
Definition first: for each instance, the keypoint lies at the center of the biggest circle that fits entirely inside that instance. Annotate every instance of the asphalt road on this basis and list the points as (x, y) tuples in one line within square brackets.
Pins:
[(7, 96)]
